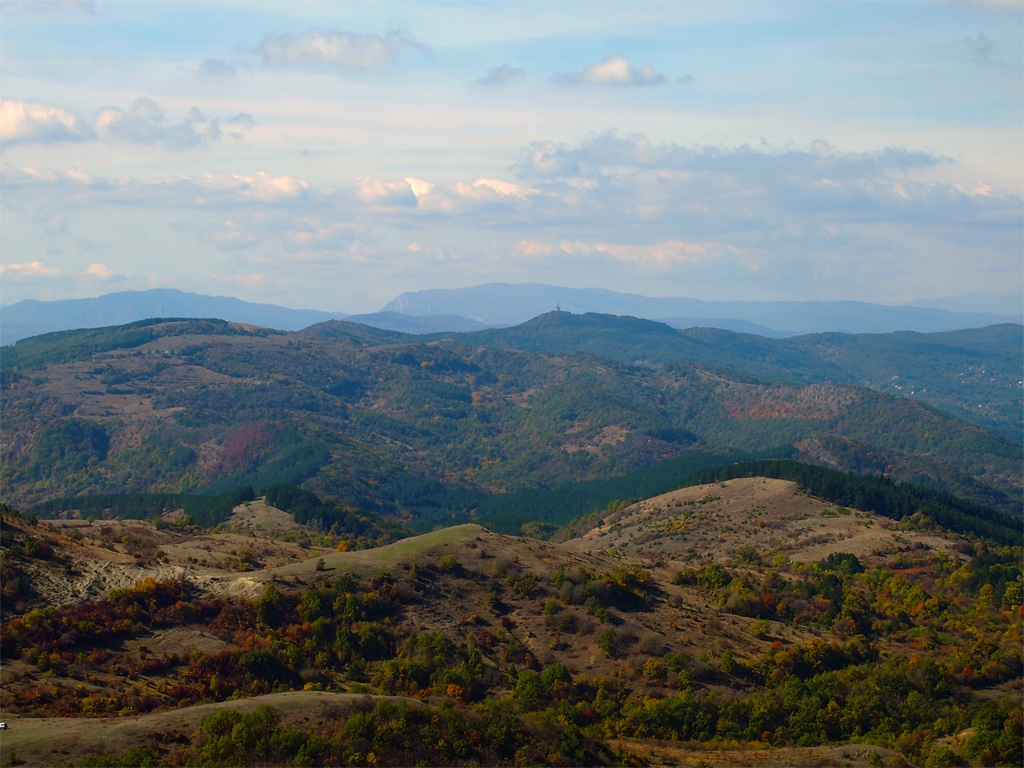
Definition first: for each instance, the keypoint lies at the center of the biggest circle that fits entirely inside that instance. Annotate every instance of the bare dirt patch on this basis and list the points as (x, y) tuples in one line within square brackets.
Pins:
[(257, 515)]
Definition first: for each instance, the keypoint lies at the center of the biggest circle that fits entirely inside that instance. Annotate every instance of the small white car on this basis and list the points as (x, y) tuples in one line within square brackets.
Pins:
[(3, 726)]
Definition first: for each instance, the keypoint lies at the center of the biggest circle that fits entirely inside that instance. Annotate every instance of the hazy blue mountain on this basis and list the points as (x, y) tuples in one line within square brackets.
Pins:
[(975, 302), (31, 318), (395, 321), (510, 304)]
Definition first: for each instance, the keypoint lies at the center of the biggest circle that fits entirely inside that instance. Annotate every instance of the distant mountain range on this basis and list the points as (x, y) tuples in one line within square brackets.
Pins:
[(31, 318), (497, 304), (511, 304)]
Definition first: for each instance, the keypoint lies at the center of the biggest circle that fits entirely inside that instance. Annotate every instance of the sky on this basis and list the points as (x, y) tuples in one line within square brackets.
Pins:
[(334, 155)]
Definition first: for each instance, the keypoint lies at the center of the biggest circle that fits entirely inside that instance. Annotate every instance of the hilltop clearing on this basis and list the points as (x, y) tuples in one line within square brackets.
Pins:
[(749, 521)]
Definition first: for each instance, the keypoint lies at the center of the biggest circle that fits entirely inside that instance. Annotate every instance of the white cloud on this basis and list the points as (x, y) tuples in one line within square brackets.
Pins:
[(144, 122), (32, 121), (505, 188), (259, 187), (502, 76), (29, 269), (100, 271), (333, 48), (620, 203), (418, 186), (389, 194), (616, 70)]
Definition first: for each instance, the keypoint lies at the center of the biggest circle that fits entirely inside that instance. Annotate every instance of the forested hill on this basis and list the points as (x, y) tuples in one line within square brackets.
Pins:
[(972, 374), (384, 421)]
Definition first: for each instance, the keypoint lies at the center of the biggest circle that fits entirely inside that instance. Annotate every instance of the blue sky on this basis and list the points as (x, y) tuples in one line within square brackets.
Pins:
[(333, 155)]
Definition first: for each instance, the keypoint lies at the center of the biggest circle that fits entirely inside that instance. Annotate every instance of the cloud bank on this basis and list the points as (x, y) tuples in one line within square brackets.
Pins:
[(143, 122), (613, 202)]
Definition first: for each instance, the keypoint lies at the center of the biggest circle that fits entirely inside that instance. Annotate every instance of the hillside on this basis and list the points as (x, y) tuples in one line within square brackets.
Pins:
[(393, 423), (974, 374), (739, 617)]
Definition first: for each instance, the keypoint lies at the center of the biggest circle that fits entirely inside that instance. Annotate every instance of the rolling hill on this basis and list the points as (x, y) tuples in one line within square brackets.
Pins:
[(741, 622), (974, 375), (426, 427)]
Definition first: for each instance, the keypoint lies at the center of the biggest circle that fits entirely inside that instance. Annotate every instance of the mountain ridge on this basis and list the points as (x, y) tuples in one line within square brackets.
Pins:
[(415, 313), (513, 303), (29, 318)]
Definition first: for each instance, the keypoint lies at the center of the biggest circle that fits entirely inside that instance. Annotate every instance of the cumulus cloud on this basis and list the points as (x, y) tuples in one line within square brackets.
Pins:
[(499, 77), (334, 49), (28, 269), (482, 196), (144, 122), (615, 70), (389, 193), (100, 271), (32, 121), (258, 187)]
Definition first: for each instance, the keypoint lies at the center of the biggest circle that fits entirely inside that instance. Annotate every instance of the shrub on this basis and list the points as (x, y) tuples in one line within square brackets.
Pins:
[(448, 564), (525, 585), (607, 642), (747, 555)]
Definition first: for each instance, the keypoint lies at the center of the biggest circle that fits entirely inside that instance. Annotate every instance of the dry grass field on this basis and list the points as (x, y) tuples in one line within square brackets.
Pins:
[(773, 516), (453, 575)]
